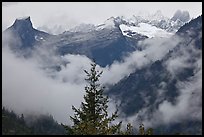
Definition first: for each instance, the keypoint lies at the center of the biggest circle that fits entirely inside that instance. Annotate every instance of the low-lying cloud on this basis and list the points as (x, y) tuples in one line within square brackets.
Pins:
[(33, 86), (188, 104), (26, 89), (152, 50)]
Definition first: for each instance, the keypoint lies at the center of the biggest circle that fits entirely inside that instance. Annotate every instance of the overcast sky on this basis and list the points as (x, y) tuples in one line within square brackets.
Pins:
[(65, 15)]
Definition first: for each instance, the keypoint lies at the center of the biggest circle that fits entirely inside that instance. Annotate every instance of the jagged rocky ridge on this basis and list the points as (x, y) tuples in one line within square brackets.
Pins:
[(104, 43), (149, 86)]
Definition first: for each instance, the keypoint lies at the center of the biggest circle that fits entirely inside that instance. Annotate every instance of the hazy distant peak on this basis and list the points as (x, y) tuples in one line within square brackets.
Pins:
[(181, 15), (158, 15)]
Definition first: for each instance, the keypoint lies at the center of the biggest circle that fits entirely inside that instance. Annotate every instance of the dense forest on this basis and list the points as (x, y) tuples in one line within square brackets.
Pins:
[(12, 124)]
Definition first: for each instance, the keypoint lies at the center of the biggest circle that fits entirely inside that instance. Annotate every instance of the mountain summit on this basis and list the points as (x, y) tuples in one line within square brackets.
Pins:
[(105, 43), (23, 23), (24, 34), (182, 16)]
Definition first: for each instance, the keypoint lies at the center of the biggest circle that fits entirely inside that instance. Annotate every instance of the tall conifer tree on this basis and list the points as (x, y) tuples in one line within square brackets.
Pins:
[(92, 116)]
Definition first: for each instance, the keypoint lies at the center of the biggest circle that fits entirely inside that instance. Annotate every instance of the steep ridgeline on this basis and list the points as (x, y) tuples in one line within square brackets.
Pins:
[(104, 43), (21, 36), (152, 25), (165, 80)]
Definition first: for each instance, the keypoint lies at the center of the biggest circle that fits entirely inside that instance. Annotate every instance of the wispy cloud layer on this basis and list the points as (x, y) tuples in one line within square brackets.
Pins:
[(33, 86)]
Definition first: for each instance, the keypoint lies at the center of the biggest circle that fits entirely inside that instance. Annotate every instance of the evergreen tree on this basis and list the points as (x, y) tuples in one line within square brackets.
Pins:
[(92, 116), (142, 130), (129, 130), (22, 119)]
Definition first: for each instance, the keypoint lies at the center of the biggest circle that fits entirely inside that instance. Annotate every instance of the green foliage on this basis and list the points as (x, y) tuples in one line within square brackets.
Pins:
[(45, 125), (128, 131), (13, 124), (92, 117), (143, 132)]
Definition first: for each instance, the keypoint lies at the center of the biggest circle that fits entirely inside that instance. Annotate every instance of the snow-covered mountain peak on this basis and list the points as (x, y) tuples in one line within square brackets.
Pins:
[(109, 23), (145, 30), (83, 28)]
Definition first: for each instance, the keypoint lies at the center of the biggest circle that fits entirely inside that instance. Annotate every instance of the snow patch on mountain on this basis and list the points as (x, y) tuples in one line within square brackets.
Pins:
[(39, 38), (109, 23), (83, 28), (145, 29)]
